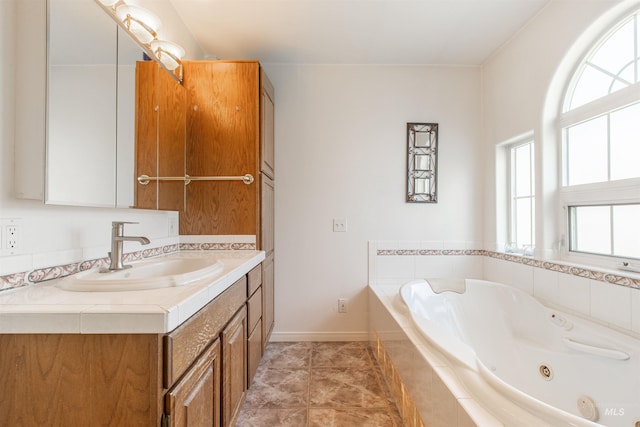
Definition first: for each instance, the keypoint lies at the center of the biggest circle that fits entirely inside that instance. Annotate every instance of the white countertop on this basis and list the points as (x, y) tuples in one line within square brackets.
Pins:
[(46, 308)]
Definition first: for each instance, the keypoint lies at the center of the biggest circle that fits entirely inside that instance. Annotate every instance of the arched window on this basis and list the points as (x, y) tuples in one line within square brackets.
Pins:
[(600, 126)]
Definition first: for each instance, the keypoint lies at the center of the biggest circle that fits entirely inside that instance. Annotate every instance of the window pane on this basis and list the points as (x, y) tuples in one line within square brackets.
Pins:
[(591, 229), (626, 231), (524, 222), (592, 84), (587, 152), (609, 68), (522, 163), (625, 142), (617, 51)]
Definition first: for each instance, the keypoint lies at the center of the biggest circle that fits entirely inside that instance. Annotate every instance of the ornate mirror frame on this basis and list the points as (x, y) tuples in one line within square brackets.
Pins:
[(422, 162)]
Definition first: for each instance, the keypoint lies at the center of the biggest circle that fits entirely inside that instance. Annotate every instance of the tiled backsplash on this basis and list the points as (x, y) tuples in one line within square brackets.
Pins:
[(162, 247)]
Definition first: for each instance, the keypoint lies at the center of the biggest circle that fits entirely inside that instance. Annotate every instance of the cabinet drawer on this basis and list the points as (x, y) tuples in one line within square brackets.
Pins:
[(254, 307), (255, 279), (186, 342)]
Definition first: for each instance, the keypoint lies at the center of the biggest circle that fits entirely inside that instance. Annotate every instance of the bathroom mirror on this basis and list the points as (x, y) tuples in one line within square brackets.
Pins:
[(422, 162), (91, 105)]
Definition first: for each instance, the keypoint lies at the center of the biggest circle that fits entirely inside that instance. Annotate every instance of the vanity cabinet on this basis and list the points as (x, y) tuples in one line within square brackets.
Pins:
[(196, 375)]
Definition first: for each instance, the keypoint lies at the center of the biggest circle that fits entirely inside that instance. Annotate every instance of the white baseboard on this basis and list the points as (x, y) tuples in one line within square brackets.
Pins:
[(318, 336)]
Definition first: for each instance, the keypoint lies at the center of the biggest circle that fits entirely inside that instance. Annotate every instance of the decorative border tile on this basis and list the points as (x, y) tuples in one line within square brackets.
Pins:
[(615, 279), (217, 246), (27, 278), (13, 281)]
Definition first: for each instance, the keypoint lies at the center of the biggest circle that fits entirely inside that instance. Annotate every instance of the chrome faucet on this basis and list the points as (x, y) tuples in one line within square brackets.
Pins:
[(117, 239)]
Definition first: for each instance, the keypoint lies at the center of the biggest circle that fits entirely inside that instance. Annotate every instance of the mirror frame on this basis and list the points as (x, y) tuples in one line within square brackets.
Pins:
[(422, 162)]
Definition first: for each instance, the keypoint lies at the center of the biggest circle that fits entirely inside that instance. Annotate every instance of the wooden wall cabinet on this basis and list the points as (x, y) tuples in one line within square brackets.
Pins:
[(161, 119), (230, 132), (267, 203)]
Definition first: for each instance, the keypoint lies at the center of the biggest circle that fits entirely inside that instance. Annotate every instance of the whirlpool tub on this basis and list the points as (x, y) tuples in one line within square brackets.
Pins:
[(569, 370)]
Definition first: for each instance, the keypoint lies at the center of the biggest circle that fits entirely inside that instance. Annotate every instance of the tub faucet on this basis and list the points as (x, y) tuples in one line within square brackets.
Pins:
[(117, 239)]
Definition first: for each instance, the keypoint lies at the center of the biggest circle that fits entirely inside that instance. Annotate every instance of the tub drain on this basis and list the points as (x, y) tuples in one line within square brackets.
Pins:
[(587, 408), (545, 372)]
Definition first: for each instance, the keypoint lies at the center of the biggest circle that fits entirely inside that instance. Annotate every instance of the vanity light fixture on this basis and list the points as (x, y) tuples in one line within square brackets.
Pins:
[(169, 54), (143, 25), (140, 22)]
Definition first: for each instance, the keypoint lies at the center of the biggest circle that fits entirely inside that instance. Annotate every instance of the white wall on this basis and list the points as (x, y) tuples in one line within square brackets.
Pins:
[(341, 153)]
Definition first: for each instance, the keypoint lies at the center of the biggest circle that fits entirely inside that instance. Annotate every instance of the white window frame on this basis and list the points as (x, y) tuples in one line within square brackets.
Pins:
[(513, 220), (624, 191), (504, 202)]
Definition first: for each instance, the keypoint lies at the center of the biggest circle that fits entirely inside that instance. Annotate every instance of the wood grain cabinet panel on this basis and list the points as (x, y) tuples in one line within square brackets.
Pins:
[(234, 367), (161, 116), (267, 116), (185, 343), (195, 400), (222, 140), (73, 380), (254, 351), (268, 300)]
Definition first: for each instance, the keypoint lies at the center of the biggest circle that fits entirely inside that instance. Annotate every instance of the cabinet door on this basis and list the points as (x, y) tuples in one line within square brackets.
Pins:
[(267, 148), (254, 349), (268, 299), (234, 367), (267, 209), (222, 140), (195, 400)]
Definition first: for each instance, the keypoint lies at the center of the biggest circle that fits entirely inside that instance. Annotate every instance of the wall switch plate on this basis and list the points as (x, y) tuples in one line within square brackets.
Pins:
[(339, 225), (342, 305)]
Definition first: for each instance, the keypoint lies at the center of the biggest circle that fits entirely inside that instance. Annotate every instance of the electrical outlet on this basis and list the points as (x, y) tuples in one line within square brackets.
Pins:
[(342, 305), (12, 236)]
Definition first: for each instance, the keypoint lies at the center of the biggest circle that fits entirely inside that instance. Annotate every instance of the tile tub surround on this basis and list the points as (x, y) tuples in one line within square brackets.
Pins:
[(318, 384), (608, 297), (46, 308), (425, 386)]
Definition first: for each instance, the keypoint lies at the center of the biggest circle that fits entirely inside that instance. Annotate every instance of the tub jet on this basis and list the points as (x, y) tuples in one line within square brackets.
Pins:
[(545, 372)]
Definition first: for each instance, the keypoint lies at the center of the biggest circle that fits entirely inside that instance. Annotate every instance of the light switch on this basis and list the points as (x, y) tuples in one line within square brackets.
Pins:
[(339, 225)]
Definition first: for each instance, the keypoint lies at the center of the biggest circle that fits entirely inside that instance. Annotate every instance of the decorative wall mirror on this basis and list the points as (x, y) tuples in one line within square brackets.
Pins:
[(422, 162)]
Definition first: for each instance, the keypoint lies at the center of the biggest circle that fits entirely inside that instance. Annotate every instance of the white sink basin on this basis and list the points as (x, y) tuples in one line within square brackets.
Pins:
[(175, 270)]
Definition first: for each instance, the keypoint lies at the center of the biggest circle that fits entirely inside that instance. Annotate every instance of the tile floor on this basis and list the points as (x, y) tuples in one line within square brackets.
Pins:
[(319, 384)]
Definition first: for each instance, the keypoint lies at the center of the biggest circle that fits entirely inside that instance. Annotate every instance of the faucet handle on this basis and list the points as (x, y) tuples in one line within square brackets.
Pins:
[(124, 222), (117, 227)]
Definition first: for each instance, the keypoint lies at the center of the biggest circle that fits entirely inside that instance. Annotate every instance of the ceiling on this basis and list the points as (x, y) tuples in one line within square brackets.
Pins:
[(451, 32)]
